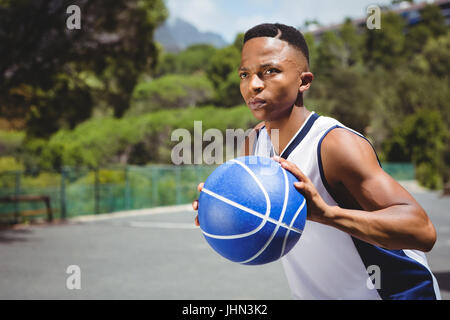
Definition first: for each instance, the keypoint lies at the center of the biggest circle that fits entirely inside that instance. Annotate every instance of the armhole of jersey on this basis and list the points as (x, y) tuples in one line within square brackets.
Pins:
[(403, 276), (319, 157)]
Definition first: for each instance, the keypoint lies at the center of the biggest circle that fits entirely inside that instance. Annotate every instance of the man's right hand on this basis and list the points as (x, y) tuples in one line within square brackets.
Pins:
[(195, 202)]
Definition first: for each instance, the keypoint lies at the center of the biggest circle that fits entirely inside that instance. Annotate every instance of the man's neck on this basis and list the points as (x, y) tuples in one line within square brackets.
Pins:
[(287, 127)]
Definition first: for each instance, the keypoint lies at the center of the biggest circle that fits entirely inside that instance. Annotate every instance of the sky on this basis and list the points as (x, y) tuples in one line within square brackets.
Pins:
[(228, 17)]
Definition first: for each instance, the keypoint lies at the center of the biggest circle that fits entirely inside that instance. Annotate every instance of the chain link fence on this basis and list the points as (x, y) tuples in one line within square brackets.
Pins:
[(79, 191)]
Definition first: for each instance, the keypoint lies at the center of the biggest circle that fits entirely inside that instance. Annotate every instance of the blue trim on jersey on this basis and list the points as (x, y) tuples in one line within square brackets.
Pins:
[(401, 276), (300, 136)]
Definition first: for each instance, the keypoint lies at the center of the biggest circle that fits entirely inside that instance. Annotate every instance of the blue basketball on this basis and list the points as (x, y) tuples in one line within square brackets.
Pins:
[(250, 212)]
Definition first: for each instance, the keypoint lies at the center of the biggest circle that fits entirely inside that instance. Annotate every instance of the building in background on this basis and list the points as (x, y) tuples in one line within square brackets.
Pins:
[(410, 11)]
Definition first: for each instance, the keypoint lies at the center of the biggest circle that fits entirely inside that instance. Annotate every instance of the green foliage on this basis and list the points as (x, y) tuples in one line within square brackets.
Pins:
[(223, 62), (133, 140), (428, 175), (344, 95), (11, 141), (103, 96), (171, 91), (42, 61), (330, 54), (312, 48), (42, 180), (103, 176), (193, 59), (433, 19), (223, 74), (422, 138), (239, 41), (352, 42), (385, 46), (435, 57), (228, 94), (10, 164)]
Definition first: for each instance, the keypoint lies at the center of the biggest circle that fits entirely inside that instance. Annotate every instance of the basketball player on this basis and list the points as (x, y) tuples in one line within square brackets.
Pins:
[(362, 225)]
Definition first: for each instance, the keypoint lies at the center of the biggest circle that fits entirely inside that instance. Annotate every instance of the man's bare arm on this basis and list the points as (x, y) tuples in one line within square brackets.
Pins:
[(389, 216)]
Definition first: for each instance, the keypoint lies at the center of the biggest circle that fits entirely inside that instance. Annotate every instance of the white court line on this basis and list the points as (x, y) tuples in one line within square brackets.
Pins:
[(162, 225), (133, 213)]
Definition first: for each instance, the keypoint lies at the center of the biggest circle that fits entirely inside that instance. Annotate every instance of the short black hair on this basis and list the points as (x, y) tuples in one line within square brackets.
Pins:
[(281, 31)]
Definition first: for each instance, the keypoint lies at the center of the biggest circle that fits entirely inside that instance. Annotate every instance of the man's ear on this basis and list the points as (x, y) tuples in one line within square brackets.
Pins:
[(307, 78)]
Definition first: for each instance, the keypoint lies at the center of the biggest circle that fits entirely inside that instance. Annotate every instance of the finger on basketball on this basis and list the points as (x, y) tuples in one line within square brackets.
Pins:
[(200, 186), (294, 170), (195, 205), (196, 221)]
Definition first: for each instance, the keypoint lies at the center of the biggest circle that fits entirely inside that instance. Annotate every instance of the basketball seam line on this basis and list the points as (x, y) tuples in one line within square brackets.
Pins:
[(291, 224), (268, 206), (239, 206), (264, 218), (280, 219), (248, 210)]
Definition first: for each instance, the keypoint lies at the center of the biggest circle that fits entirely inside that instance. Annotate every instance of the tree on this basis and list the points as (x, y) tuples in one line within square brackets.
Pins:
[(385, 46), (42, 60), (435, 57), (421, 139), (432, 25), (312, 49), (170, 92), (330, 54), (353, 43), (193, 59), (349, 98), (239, 41), (431, 16), (223, 62), (228, 94)]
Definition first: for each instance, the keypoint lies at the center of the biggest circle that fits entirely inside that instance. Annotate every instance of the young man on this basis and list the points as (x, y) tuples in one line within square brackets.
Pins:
[(361, 222)]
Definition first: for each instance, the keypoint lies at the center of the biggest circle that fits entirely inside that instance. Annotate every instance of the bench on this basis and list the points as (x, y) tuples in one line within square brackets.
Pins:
[(27, 213)]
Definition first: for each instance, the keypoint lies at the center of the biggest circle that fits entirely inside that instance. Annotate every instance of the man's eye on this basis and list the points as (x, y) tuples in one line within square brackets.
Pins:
[(271, 71), (243, 75)]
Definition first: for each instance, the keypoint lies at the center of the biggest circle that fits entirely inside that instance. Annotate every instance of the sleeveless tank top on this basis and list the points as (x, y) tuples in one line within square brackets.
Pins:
[(327, 263)]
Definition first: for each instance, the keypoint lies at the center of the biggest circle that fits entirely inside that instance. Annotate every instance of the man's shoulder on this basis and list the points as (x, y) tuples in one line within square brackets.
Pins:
[(345, 152)]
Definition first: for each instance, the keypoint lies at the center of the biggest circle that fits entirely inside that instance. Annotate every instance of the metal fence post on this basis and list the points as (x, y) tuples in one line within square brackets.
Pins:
[(63, 194), (127, 189), (16, 194), (177, 185), (154, 185), (97, 191)]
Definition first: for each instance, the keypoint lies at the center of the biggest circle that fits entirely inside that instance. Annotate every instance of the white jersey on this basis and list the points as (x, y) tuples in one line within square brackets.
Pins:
[(327, 263)]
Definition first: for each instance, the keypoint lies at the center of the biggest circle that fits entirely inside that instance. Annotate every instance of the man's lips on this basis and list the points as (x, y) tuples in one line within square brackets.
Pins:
[(255, 104)]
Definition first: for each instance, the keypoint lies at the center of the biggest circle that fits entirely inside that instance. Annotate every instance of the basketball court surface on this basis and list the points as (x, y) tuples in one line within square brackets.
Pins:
[(157, 254)]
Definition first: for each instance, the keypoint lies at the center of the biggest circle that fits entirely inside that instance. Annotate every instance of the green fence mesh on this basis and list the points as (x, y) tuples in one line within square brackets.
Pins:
[(76, 191)]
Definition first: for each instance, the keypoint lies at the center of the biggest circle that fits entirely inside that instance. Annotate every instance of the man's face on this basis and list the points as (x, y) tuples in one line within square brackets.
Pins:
[(270, 75)]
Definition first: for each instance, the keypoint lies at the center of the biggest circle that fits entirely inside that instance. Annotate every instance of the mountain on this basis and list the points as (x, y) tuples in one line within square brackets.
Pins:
[(177, 34)]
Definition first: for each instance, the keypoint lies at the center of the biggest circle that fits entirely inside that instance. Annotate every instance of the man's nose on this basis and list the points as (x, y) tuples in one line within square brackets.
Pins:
[(256, 84)]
